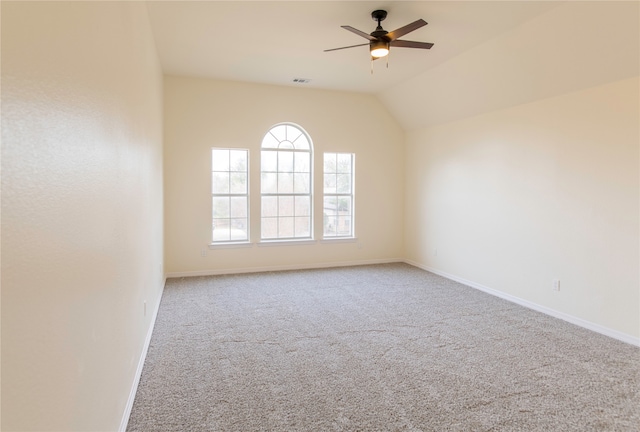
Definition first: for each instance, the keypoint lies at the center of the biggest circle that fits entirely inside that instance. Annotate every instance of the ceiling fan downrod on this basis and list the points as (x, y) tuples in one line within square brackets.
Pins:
[(379, 15)]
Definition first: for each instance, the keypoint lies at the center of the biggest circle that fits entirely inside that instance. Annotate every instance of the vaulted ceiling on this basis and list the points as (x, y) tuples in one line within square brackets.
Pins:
[(275, 42), (487, 54)]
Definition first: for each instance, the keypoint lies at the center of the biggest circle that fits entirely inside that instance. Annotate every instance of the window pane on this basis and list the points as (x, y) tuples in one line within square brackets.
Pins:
[(302, 206), (269, 227), (343, 226), (285, 206), (220, 207), (330, 162), (238, 183), (343, 183), (344, 205), (329, 226), (293, 133), (330, 205), (285, 161), (285, 183), (220, 182), (221, 230), (220, 160), (302, 143), (302, 227), (301, 183), (238, 160), (269, 141), (269, 161), (330, 215), (329, 183), (280, 132), (344, 163), (285, 227), (302, 162), (238, 229), (269, 183), (270, 206), (238, 207)]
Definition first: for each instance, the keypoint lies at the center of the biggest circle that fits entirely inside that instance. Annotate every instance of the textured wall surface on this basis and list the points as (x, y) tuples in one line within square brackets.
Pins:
[(81, 210)]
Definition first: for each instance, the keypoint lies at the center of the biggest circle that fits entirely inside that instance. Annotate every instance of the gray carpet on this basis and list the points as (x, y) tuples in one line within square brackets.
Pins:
[(374, 348)]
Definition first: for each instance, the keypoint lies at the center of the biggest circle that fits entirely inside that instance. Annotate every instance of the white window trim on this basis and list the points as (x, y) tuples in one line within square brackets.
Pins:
[(235, 243), (271, 243), (339, 240), (291, 240), (287, 242), (230, 245), (352, 237)]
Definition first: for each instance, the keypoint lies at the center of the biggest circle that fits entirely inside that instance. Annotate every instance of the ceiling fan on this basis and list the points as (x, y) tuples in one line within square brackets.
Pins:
[(380, 40)]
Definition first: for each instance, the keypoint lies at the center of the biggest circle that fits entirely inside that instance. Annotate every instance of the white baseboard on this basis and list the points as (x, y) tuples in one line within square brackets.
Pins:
[(545, 310), (216, 272), (143, 357)]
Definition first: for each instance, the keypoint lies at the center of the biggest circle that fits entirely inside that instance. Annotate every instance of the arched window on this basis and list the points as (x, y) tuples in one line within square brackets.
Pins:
[(286, 183)]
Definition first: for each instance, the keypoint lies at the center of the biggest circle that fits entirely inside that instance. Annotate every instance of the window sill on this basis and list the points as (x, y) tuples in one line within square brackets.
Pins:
[(268, 243), (230, 245), (339, 240)]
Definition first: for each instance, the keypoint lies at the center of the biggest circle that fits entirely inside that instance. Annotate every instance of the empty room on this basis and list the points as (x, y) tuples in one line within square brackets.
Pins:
[(320, 215)]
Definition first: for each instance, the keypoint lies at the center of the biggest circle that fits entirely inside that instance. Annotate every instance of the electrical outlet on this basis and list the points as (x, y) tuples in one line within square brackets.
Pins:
[(144, 305), (203, 253), (435, 252), (556, 284)]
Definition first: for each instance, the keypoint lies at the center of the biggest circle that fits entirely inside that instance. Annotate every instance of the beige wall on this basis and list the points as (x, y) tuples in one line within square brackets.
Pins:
[(81, 210), (200, 114), (548, 190)]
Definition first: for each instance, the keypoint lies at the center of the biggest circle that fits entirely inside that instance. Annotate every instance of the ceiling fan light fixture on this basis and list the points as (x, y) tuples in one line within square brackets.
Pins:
[(381, 40), (379, 48)]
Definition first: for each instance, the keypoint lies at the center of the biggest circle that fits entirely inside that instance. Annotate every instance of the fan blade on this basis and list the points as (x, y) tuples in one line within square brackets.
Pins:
[(406, 29), (411, 44), (359, 33), (351, 46)]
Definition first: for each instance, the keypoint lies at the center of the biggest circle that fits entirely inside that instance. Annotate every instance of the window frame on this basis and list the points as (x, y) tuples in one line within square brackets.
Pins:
[(286, 194), (350, 195), (231, 195)]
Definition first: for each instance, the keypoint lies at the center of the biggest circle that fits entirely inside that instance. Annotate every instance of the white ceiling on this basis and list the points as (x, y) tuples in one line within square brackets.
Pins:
[(274, 42)]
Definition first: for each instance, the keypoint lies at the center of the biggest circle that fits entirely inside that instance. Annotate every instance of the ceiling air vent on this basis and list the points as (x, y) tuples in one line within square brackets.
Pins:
[(301, 80)]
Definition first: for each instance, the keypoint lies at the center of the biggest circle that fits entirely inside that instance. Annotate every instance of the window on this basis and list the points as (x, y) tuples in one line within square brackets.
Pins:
[(286, 188), (338, 195), (230, 195)]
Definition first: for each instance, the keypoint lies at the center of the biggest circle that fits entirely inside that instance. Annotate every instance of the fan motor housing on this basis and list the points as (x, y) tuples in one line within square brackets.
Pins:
[(380, 34)]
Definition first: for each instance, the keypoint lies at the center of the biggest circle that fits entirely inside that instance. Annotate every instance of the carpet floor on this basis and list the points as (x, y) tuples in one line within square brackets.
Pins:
[(374, 348)]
